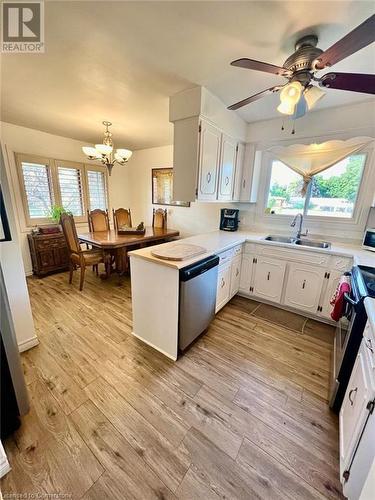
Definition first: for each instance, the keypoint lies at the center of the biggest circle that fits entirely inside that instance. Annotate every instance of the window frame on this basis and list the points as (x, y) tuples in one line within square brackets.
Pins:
[(52, 165), (74, 166), (96, 168), (23, 158), (269, 158)]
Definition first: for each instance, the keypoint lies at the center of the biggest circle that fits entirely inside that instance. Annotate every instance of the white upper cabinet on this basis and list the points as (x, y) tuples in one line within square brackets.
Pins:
[(238, 176), (304, 286), (209, 161), (268, 278), (227, 168)]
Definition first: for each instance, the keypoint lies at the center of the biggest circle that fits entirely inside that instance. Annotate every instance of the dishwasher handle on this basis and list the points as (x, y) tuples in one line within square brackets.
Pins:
[(189, 272)]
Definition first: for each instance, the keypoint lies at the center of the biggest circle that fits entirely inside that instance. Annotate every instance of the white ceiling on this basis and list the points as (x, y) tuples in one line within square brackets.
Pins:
[(120, 61)]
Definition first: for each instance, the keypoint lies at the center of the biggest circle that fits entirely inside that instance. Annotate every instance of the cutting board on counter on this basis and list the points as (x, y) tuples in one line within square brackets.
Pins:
[(179, 251)]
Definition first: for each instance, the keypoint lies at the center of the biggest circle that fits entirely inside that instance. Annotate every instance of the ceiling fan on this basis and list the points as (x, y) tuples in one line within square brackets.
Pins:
[(299, 94)]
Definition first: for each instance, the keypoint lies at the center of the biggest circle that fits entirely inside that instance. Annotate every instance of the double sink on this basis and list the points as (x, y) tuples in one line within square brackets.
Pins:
[(303, 242)]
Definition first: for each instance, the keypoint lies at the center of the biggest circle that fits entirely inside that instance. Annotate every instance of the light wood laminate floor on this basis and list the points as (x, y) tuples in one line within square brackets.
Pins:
[(242, 415)]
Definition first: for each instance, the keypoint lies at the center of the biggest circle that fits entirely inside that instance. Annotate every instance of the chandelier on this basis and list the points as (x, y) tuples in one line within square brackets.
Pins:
[(106, 153)]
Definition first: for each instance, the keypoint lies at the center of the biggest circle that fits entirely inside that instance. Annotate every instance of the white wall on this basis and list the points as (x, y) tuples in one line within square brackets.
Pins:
[(13, 271), (198, 218), (25, 140)]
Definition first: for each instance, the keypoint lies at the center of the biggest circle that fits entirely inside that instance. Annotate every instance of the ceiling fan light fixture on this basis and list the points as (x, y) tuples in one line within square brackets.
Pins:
[(286, 108), (291, 93), (312, 95)]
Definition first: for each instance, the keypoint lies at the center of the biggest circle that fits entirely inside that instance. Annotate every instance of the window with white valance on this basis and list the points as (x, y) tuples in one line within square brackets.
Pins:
[(317, 179)]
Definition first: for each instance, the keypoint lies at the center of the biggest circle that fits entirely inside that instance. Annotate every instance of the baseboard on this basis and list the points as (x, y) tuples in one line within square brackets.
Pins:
[(154, 347), (28, 344)]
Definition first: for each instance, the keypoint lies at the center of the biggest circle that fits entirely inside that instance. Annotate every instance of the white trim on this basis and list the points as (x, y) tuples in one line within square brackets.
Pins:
[(173, 358), (25, 345), (4, 464)]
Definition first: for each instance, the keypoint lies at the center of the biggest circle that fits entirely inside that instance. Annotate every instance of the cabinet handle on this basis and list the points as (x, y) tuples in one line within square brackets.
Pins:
[(243, 184), (303, 284), (208, 177), (369, 344), (237, 271), (353, 391), (226, 181), (268, 276), (222, 282)]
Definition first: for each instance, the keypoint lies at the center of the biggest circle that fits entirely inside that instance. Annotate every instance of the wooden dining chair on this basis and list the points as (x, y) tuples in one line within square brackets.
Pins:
[(77, 256), (98, 220), (121, 217), (159, 218)]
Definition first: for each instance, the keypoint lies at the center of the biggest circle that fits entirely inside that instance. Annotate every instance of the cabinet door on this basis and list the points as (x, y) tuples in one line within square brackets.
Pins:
[(238, 176), (223, 286), (333, 281), (304, 287), (353, 411), (246, 273), (235, 275), (227, 168), (46, 259), (268, 278), (209, 159)]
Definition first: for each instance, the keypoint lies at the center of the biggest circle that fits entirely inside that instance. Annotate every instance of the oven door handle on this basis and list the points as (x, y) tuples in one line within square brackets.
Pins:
[(350, 300)]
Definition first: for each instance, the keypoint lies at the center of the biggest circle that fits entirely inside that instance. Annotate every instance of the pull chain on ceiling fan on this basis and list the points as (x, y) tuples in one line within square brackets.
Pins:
[(300, 94)]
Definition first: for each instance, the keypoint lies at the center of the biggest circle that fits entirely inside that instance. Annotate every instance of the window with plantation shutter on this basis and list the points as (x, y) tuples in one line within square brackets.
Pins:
[(71, 192), (97, 189), (37, 186)]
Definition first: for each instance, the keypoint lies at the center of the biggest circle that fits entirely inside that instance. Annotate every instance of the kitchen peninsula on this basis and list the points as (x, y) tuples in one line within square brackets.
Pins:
[(301, 280)]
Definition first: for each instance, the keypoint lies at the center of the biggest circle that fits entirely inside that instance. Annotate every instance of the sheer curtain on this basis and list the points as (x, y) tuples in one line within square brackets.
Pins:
[(311, 159)]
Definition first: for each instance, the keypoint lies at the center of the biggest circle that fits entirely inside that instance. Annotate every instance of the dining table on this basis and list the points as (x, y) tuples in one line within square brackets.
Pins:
[(117, 244)]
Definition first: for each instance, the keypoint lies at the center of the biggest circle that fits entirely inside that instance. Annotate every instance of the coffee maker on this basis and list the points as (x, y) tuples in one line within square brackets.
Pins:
[(229, 219)]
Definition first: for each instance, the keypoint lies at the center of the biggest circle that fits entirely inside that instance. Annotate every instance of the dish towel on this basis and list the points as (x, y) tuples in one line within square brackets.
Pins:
[(338, 300)]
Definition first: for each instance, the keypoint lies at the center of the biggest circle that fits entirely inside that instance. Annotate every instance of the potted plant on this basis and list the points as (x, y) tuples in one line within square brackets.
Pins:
[(54, 214)]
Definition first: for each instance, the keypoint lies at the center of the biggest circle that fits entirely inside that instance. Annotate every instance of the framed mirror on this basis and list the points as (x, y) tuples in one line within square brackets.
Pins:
[(162, 188)]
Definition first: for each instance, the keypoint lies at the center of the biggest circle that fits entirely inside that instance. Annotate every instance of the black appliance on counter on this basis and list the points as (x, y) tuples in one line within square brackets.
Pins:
[(229, 219), (349, 332)]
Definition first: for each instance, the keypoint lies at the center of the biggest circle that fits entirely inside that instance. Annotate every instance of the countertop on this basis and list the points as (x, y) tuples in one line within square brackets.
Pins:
[(219, 241)]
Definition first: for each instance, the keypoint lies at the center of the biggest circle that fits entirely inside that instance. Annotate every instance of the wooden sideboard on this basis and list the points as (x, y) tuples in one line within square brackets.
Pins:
[(49, 253)]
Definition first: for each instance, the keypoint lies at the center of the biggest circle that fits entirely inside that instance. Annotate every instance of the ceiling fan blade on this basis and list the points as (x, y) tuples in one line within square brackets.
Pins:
[(254, 97), (356, 82), (360, 37), (260, 66)]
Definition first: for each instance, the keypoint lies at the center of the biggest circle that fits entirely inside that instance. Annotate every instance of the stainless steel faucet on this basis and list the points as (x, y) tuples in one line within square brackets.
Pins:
[(299, 227)]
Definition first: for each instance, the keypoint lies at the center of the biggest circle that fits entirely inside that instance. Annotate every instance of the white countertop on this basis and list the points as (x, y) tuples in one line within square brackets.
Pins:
[(219, 241)]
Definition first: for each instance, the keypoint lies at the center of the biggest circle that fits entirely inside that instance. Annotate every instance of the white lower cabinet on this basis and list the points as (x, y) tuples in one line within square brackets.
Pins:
[(268, 278), (246, 272), (354, 410), (235, 275), (303, 287), (223, 285)]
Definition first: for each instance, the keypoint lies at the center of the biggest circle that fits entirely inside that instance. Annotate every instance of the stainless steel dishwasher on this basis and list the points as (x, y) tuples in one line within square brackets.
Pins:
[(197, 299)]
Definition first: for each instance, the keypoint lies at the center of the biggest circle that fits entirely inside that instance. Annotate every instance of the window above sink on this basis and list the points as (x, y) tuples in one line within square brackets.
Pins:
[(332, 193)]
